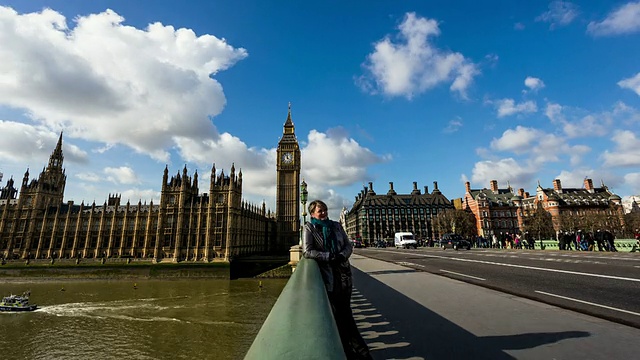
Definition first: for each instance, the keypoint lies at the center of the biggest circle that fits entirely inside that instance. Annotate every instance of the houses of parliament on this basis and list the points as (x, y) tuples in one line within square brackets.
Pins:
[(186, 225)]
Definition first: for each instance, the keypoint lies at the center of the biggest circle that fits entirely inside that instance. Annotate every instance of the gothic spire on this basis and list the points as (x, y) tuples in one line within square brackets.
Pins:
[(289, 122), (56, 158), (288, 132)]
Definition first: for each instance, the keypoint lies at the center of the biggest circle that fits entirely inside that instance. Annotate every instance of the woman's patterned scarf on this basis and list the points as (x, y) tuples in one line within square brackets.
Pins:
[(328, 244)]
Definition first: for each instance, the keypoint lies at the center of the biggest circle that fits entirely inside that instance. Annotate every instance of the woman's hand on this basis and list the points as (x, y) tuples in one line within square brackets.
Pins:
[(340, 258)]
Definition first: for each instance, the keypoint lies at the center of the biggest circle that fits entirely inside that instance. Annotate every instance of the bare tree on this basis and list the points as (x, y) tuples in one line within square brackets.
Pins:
[(632, 223), (455, 221), (540, 223)]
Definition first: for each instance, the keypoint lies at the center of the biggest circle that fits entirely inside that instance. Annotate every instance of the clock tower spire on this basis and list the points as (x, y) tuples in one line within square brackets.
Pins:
[(288, 184)]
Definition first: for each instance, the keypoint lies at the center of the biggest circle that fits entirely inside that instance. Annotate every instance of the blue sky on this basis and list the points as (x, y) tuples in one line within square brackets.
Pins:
[(381, 91)]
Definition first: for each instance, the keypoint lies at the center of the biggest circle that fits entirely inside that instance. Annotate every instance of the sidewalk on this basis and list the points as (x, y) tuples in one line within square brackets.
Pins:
[(408, 314)]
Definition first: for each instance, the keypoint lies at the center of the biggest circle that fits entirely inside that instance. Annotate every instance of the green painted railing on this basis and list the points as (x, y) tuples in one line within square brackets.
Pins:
[(624, 245), (300, 324)]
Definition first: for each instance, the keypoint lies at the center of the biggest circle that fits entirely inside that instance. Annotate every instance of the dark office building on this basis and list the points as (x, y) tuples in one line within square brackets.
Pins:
[(375, 217)]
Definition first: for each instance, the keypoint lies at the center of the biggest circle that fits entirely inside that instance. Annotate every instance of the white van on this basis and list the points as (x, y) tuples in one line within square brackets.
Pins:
[(405, 240)]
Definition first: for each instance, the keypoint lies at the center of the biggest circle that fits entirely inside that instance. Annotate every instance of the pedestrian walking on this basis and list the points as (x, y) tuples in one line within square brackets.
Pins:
[(610, 240), (599, 237), (636, 246)]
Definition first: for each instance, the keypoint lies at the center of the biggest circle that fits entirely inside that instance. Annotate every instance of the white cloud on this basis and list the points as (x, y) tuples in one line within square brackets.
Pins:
[(121, 175), (627, 114), (632, 83), (335, 160), (575, 178), (110, 83), (518, 140), (576, 153), (633, 181), (508, 107), (453, 126), (505, 169), (590, 125), (540, 147), (413, 65), (560, 13), (578, 123), (554, 113), (518, 26), (32, 145), (329, 159), (627, 151), (623, 20), (143, 195), (257, 165), (88, 176), (533, 83), (335, 202), (549, 149)]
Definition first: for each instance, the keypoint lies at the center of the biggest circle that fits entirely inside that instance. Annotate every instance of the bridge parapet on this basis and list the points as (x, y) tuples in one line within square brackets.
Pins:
[(300, 324)]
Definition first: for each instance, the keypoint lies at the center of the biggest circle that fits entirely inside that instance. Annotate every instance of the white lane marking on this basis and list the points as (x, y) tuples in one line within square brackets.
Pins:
[(589, 303), (469, 276), (524, 267)]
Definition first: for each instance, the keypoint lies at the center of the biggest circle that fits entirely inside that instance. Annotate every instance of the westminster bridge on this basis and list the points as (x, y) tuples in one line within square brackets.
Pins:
[(482, 304)]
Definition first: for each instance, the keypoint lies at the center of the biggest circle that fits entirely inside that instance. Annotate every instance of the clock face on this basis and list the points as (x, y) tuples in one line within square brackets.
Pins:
[(287, 158)]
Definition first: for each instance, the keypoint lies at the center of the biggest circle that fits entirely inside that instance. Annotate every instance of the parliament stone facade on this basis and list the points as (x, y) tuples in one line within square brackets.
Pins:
[(185, 225)]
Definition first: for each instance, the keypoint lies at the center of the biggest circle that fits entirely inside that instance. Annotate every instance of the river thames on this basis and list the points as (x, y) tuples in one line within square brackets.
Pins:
[(137, 319)]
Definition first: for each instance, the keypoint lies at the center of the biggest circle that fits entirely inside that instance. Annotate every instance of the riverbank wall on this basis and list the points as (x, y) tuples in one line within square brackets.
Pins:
[(70, 269), (116, 268)]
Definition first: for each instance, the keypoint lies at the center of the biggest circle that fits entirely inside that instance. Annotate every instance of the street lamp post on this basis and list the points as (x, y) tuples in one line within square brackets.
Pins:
[(303, 200)]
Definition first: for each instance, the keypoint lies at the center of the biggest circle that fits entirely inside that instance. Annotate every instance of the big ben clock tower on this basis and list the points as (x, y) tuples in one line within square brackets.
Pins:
[(288, 184)]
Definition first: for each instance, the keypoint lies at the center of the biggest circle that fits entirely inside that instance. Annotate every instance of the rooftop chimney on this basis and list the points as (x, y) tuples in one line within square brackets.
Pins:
[(467, 186), (521, 192), (391, 191), (415, 189), (557, 186), (494, 186), (426, 189), (588, 185)]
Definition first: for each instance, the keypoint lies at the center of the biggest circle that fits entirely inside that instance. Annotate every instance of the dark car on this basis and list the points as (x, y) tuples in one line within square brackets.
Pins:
[(454, 241), (380, 244), (357, 243)]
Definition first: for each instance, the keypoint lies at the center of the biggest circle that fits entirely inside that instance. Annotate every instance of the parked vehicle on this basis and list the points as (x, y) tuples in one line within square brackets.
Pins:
[(357, 243), (380, 243), (405, 240), (454, 241)]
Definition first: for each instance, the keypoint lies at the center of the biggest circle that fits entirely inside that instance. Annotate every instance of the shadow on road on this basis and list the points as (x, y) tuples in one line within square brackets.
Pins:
[(530, 340), (404, 329)]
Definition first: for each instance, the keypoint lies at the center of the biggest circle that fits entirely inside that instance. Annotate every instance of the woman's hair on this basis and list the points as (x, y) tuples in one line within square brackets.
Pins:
[(317, 203)]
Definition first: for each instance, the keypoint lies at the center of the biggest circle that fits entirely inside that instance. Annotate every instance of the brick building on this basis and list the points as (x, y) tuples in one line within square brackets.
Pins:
[(503, 210)]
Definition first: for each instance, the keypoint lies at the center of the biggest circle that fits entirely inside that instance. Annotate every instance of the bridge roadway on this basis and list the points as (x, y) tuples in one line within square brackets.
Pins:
[(405, 312)]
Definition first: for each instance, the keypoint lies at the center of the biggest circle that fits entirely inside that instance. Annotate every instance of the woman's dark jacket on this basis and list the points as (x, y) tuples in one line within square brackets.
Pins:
[(313, 248)]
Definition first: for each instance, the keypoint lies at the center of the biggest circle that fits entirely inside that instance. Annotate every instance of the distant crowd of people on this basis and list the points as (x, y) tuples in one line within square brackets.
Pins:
[(578, 240), (586, 241)]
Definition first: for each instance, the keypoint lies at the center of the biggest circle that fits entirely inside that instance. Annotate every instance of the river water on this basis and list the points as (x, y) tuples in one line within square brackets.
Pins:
[(137, 319)]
